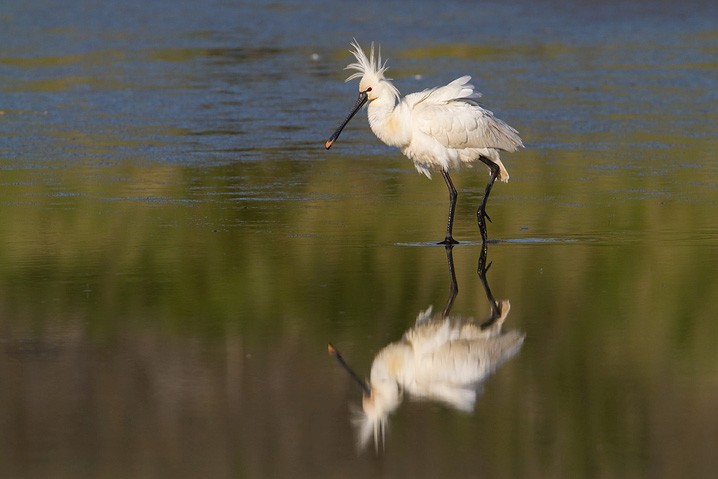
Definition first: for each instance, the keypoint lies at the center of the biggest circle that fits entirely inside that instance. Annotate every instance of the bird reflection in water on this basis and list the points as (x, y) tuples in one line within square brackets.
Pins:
[(442, 358)]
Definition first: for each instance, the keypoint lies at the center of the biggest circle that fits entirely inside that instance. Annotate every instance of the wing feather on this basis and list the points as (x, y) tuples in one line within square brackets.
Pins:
[(451, 116)]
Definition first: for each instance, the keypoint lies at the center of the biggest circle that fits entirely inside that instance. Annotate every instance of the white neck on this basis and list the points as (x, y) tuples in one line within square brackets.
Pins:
[(390, 121)]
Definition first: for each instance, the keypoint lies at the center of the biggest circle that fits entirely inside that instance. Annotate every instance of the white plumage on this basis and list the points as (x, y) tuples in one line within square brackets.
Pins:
[(441, 358), (441, 128)]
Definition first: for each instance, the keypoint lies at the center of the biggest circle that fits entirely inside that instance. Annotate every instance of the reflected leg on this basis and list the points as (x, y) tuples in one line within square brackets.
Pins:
[(454, 285), (481, 270)]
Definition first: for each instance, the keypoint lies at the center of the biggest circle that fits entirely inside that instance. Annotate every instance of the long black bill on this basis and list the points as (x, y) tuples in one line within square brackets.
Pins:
[(360, 103), (362, 384)]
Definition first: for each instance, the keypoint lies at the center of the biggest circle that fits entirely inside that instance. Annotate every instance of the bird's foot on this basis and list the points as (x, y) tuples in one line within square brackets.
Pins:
[(481, 214), (482, 217), (448, 241), (483, 269)]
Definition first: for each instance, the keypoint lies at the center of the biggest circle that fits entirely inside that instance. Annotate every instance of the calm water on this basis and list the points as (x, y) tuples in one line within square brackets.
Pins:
[(177, 248)]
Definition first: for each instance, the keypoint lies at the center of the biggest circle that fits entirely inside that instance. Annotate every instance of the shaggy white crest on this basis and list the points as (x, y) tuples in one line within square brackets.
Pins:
[(370, 423), (370, 69)]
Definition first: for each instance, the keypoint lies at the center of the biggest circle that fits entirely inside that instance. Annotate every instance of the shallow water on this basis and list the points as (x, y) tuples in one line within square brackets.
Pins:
[(177, 248)]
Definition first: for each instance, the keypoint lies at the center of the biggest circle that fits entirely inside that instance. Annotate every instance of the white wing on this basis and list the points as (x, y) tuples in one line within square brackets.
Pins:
[(450, 115)]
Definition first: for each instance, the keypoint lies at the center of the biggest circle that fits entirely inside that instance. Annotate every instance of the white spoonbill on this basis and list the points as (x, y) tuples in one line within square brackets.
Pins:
[(440, 128), (444, 359)]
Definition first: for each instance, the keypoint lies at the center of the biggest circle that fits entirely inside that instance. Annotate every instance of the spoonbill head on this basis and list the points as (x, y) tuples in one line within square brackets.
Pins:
[(373, 85), (380, 397), (441, 128)]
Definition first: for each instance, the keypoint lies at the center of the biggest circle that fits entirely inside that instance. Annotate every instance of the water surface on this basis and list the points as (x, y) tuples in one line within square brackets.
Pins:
[(177, 248)]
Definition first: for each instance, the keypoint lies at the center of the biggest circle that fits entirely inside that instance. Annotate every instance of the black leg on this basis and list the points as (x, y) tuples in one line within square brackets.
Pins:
[(481, 270), (454, 284), (452, 206), (481, 214)]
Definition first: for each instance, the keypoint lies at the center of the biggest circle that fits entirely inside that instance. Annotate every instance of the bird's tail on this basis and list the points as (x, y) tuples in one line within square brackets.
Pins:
[(503, 174)]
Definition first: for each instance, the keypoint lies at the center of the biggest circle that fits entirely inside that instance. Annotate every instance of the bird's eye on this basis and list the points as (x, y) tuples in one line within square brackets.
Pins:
[(368, 90)]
